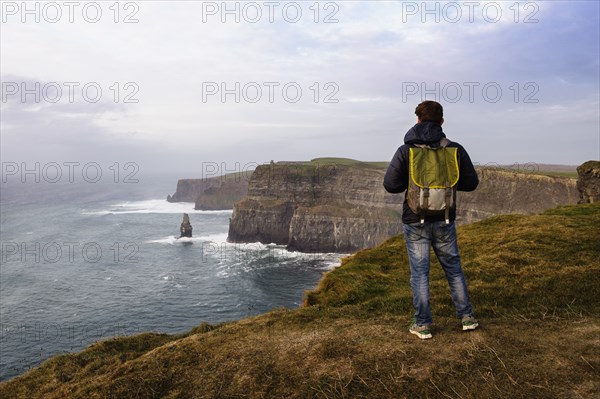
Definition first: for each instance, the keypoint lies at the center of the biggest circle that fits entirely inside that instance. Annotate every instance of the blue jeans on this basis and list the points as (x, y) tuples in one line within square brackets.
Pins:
[(419, 238)]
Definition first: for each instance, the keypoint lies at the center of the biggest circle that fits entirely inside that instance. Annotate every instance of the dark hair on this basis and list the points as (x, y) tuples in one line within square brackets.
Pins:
[(430, 111)]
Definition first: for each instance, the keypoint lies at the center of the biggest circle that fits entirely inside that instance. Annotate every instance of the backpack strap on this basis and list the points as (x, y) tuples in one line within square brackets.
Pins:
[(448, 194), (447, 199), (425, 202)]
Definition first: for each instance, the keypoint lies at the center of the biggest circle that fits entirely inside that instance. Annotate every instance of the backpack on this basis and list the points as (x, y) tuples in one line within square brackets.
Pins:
[(433, 176)]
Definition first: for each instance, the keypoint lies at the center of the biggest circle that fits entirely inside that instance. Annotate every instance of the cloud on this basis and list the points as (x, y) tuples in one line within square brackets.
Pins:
[(367, 61)]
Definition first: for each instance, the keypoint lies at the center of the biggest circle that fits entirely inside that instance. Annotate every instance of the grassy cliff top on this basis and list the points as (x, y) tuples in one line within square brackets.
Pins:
[(348, 161), (526, 169), (534, 284), (531, 168), (332, 161)]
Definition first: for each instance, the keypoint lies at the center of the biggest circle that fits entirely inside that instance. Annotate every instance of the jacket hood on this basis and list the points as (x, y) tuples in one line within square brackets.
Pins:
[(424, 133)]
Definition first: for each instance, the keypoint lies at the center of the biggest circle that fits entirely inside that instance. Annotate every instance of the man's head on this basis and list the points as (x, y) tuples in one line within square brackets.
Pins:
[(430, 111)]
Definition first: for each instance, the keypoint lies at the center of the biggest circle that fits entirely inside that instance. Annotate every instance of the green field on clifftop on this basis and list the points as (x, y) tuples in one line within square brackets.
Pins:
[(530, 168), (332, 161), (534, 284)]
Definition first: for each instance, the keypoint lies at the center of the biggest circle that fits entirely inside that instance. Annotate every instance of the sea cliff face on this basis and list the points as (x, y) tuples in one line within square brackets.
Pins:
[(214, 193), (342, 207), (315, 207), (502, 192)]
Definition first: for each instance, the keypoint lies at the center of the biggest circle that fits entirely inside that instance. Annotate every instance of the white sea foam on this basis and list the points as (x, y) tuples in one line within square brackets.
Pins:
[(173, 240), (216, 238), (170, 240), (152, 206), (331, 265), (237, 259)]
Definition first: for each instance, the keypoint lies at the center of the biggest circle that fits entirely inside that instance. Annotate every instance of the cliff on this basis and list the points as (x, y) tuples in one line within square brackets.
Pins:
[(535, 275), (505, 192), (340, 205), (588, 182), (214, 193), (319, 206)]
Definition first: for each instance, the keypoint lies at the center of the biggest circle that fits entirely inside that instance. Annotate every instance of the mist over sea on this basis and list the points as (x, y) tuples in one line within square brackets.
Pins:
[(84, 261)]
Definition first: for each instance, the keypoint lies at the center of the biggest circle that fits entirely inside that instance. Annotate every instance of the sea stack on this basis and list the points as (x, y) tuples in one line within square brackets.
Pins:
[(186, 227)]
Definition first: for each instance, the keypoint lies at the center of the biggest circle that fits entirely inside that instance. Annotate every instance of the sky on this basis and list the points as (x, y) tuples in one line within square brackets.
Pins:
[(181, 87)]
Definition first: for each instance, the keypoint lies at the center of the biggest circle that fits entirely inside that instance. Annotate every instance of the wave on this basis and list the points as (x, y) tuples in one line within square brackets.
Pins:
[(173, 240), (235, 259), (153, 206), (332, 265)]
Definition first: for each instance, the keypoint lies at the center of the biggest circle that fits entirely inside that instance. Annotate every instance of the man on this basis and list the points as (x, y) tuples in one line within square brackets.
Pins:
[(421, 232)]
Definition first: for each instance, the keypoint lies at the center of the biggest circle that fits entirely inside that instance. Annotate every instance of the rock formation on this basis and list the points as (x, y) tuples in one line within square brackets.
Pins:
[(588, 182), (326, 206), (215, 193), (502, 191), (186, 227), (317, 207)]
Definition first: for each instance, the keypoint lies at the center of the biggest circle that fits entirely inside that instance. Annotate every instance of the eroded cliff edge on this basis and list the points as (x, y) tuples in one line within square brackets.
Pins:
[(341, 205), (317, 207), (503, 192), (212, 193)]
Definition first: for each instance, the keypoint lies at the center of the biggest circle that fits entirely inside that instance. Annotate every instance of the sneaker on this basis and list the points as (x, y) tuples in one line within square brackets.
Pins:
[(420, 331), (469, 323)]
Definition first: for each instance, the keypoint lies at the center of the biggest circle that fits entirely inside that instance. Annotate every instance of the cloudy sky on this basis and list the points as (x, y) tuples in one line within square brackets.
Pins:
[(173, 85)]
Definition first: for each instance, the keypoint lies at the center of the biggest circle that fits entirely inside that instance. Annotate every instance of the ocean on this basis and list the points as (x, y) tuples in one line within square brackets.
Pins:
[(82, 262)]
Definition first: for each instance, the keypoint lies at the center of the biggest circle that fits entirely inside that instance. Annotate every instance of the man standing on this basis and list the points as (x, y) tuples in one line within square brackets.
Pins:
[(437, 230)]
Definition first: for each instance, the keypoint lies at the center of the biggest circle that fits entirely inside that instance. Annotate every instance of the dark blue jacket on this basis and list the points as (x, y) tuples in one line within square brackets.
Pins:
[(396, 177)]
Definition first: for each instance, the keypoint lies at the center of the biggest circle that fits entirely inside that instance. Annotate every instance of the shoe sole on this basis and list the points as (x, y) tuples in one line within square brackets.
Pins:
[(470, 327), (422, 336)]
